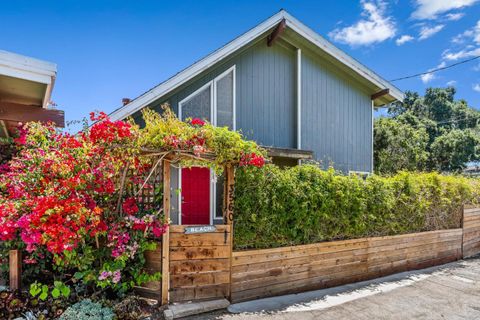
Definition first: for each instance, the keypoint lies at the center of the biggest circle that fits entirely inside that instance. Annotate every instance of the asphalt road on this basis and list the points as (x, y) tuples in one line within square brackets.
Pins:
[(448, 292)]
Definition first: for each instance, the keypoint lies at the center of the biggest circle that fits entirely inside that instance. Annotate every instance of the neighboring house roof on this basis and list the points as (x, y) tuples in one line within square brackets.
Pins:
[(26, 78), (341, 57), (26, 86)]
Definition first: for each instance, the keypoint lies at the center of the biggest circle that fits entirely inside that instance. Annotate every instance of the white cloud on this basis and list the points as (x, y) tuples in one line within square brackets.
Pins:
[(430, 76), (374, 27), (462, 54), (404, 39), (427, 32), (454, 16), (451, 83), (476, 87), (430, 9), (427, 77), (469, 34)]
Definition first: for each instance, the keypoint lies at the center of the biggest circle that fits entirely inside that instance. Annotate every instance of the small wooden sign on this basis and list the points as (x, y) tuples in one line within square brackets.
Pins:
[(200, 229)]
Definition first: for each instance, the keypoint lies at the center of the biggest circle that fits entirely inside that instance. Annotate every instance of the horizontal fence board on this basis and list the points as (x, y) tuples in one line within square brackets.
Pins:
[(198, 253), (198, 266), (198, 293), (186, 280), (320, 248), (299, 247), (181, 228), (471, 210), (199, 240)]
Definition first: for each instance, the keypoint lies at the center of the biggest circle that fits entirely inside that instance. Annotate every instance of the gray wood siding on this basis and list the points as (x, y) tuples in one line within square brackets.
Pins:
[(266, 95), (336, 117)]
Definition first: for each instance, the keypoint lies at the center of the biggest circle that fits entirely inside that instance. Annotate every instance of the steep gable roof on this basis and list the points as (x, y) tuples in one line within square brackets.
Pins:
[(311, 36)]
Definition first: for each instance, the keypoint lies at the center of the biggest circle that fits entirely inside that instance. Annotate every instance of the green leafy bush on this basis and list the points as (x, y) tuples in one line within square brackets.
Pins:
[(87, 310), (280, 207)]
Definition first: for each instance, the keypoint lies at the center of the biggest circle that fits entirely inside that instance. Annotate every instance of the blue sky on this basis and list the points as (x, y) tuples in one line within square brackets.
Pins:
[(107, 50)]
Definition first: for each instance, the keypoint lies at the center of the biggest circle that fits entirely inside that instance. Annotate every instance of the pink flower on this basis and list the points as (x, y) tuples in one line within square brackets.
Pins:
[(29, 261), (104, 275), (158, 230), (117, 276)]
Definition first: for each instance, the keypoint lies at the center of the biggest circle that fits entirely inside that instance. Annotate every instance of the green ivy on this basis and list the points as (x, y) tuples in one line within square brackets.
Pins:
[(280, 207)]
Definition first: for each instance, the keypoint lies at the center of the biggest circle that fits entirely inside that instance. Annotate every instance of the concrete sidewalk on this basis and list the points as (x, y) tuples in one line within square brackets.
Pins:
[(451, 291)]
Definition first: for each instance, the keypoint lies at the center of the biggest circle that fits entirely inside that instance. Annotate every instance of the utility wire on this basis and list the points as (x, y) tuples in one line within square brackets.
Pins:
[(435, 70), (417, 125)]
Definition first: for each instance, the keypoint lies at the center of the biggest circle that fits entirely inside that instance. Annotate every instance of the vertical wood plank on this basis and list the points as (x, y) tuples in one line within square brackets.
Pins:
[(166, 235), (229, 198), (15, 261), (230, 194)]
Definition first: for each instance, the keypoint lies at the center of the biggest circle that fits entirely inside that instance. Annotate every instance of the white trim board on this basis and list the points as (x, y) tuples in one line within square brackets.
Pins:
[(22, 67), (238, 43)]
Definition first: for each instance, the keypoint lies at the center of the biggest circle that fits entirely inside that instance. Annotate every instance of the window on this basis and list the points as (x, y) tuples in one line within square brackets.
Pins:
[(197, 105), (225, 100)]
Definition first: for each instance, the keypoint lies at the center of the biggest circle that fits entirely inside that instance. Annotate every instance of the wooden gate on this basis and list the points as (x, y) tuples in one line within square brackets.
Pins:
[(196, 265), (200, 264)]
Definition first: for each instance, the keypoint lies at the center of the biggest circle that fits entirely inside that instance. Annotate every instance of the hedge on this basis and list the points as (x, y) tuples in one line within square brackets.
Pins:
[(280, 207)]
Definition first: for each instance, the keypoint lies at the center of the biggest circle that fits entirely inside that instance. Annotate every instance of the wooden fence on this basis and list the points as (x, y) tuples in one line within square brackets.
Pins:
[(202, 265), (153, 264), (471, 231), (269, 272), (199, 264)]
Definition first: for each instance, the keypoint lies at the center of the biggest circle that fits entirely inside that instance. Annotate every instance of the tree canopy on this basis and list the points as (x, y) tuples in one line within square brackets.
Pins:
[(433, 132)]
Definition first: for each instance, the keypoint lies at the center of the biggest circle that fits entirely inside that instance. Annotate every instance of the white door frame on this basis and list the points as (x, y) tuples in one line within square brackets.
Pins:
[(213, 114)]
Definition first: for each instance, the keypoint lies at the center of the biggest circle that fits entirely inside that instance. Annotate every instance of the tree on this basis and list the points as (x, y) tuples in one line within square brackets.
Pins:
[(452, 128), (399, 146), (452, 150)]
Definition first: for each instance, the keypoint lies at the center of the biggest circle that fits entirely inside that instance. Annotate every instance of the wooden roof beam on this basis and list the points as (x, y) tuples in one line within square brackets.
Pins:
[(289, 153), (276, 32), (380, 94), (23, 113)]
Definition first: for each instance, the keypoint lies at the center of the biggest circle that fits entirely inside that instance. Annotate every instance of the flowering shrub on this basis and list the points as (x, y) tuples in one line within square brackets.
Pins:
[(59, 202)]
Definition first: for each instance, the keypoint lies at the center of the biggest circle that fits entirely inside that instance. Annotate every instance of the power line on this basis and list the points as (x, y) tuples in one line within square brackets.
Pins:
[(435, 70), (451, 120)]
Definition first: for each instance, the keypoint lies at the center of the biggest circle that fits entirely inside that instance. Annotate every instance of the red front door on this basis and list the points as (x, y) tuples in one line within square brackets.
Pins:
[(196, 195)]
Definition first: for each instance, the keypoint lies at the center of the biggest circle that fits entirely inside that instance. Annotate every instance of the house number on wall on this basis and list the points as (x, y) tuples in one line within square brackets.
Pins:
[(200, 229)]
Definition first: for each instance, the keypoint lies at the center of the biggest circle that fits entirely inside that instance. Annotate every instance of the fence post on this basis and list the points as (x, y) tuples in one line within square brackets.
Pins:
[(15, 268), (462, 224), (228, 213), (166, 235)]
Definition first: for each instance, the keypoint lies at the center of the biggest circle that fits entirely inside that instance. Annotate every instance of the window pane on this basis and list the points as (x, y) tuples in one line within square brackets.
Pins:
[(219, 197), (197, 106), (225, 101)]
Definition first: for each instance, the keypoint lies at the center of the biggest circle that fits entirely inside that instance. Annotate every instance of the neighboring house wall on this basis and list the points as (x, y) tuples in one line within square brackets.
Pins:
[(336, 117)]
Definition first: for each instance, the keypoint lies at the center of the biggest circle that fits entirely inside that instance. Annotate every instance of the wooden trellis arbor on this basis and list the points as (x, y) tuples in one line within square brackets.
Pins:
[(195, 261)]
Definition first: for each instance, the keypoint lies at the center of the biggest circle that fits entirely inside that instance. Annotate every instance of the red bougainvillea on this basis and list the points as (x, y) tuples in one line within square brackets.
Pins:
[(59, 195)]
